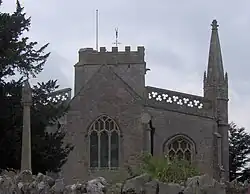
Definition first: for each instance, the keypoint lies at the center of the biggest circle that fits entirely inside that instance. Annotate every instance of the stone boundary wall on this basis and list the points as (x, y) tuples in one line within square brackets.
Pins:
[(26, 183)]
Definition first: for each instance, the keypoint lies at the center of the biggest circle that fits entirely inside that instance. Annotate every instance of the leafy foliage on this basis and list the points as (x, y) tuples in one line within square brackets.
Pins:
[(19, 58), (49, 150), (239, 150), (165, 170)]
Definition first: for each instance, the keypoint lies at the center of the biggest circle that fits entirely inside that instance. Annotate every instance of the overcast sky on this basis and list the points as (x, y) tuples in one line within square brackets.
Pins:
[(176, 36)]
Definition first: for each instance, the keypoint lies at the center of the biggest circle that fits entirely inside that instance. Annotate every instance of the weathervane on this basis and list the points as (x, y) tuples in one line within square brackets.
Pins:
[(116, 43)]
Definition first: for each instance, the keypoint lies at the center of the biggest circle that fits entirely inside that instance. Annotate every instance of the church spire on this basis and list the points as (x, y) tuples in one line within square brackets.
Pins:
[(215, 71), (216, 90)]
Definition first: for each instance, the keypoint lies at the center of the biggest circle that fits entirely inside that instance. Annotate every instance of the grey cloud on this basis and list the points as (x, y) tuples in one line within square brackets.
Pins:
[(176, 36), (56, 68)]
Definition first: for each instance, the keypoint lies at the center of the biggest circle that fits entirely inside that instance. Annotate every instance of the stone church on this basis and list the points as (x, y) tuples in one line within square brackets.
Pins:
[(114, 116)]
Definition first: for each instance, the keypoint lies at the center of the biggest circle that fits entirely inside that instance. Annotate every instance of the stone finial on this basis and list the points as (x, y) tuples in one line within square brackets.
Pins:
[(26, 92), (214, 25)]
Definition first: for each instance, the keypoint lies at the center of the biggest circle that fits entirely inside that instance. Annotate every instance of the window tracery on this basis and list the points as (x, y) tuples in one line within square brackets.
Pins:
[(181, 148), (104, 143)]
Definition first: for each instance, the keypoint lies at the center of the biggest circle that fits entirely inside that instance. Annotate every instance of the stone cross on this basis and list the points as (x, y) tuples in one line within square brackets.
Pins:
[(26, 134)]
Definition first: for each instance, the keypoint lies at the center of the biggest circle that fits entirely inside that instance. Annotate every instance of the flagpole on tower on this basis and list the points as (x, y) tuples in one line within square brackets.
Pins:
[(97, 26)]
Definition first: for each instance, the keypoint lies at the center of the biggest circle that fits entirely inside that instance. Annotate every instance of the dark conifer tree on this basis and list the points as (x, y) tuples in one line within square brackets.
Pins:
[(20, 59), (239, 150)]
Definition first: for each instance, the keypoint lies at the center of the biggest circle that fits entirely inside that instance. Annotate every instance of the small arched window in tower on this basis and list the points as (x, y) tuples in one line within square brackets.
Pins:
[(180, 147), (104, 143)]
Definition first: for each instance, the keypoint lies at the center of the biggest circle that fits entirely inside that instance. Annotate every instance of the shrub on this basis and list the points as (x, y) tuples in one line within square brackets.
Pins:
[(165, 170)]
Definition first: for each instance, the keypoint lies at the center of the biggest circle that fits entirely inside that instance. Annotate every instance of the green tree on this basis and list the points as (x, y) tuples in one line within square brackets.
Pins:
[(239, 150), (18, 56), (22, 58)]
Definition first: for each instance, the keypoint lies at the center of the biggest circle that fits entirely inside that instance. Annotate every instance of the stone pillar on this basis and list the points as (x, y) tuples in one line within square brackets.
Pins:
[(26, 133)]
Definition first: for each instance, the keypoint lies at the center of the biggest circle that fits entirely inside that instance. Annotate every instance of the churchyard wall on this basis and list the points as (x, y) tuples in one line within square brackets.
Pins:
[(26, 183)]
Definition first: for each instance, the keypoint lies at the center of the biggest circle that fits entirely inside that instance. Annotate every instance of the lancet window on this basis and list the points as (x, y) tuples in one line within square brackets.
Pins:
[(104, 141)]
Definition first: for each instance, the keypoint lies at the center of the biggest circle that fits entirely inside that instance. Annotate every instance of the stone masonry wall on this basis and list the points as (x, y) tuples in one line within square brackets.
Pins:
[(26, 183)]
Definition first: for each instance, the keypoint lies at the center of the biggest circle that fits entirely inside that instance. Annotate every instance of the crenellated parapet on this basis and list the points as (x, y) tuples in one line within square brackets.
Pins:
[(89, 56), (63, 95), (177, 101)]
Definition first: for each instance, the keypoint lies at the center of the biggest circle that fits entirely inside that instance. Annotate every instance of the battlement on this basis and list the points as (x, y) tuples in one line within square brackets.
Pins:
[(178, 101), (63, 95), (89, 56)]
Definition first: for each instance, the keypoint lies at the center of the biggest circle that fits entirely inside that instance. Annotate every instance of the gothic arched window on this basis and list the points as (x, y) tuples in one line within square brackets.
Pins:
[(104, 143), (180, 147)]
